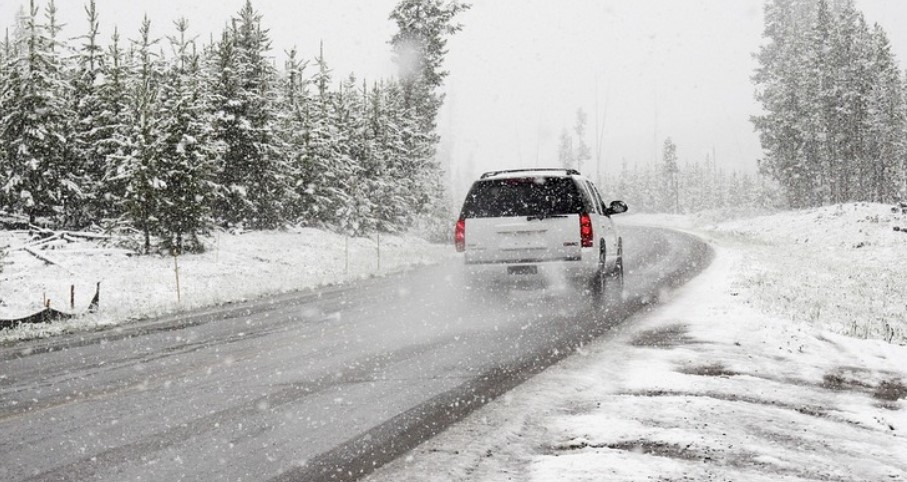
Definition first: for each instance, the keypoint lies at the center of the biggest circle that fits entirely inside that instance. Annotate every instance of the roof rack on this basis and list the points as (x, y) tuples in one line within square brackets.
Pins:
[(569, 172)]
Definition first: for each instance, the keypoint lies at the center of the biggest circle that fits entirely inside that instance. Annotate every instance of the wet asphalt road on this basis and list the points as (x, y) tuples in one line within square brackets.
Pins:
[(323, 385)]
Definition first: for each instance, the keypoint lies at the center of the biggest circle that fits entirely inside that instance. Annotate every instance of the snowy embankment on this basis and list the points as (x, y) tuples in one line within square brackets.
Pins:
[(234, 268), (743, 374)]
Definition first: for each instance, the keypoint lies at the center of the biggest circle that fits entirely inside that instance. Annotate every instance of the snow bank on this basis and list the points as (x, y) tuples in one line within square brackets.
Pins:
[(234, 268)]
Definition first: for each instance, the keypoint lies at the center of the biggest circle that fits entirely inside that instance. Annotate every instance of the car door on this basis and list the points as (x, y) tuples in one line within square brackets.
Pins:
[(605, 224)]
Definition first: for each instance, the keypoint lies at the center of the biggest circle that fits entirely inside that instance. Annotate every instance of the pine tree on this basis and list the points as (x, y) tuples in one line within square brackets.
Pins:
[(396, 199), (185, 192), (566, 155), (111, 125), (420, 45), (410, 163), (779, 80), (351, 148), (886, 124), (90, 129), (7, 66), (322, 167), (367, 158), (819, 126), (139, 167), (293, 129), (833, 101), (254, 169), (851, 57), (902, 191), (670, 178), (382, 189), (34, 127)]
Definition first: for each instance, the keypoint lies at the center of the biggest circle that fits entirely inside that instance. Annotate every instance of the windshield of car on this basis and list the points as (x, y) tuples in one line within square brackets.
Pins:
[(531, 196)]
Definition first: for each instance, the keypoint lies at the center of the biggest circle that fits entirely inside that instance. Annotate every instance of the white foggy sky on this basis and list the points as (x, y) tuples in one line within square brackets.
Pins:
[(521, 68)]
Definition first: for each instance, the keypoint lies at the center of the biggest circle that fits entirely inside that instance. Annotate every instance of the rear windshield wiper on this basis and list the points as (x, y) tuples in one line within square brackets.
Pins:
[(540, 217)]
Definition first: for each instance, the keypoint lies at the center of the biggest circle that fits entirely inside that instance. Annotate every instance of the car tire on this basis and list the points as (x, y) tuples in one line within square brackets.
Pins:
[(600, 280), (616, 286)]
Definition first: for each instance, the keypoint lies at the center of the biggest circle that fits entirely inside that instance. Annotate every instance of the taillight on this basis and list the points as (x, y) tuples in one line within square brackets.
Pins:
[(585, 230), (460, 235)]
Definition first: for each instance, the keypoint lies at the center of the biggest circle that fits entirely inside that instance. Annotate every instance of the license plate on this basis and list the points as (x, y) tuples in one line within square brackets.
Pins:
[(522, 269)]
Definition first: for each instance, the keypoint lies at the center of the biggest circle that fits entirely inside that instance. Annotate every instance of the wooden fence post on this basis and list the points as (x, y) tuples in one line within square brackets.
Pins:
[(176, 269)]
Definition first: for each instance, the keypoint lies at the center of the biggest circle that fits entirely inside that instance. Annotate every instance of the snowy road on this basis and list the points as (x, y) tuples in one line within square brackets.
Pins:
[(302, 386)]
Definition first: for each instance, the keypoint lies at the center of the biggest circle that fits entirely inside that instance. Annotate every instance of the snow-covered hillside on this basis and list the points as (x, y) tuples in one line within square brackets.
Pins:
[(841, 268), (235, 267), (737, 376)]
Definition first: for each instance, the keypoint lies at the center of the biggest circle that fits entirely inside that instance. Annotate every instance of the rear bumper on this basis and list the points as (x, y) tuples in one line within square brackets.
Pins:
[(583, 267)]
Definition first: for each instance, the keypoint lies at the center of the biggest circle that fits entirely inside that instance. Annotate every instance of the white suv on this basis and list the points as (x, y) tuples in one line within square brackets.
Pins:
[(540, 222)]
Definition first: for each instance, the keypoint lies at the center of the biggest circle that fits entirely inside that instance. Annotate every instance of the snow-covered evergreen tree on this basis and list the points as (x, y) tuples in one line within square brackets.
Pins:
[(293, 128), (350, 148), (34, 125), (384, 193), (832, 106), (395, 198), (566, 154), (91, 129), (670, 178), (363, 150), (779, 80), (254, 169), (887, 123), (185, 190), (111, 124), (819, 126), (322, 167), (8, 61), (420, 45), (142, 140), (851, 57)]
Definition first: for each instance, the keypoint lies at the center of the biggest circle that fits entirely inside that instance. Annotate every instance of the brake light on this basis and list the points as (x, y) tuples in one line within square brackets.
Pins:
[(460, 235), (585, 230)]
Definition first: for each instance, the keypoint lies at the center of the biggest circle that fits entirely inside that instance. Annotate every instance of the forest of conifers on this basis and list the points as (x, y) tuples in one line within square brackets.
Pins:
[(154, 131)]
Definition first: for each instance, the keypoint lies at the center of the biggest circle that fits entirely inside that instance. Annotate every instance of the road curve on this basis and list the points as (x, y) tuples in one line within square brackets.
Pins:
[(319, 385)]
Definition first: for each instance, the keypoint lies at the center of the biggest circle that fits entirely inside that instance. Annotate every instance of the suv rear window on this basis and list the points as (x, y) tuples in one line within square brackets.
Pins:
[(525, 196)]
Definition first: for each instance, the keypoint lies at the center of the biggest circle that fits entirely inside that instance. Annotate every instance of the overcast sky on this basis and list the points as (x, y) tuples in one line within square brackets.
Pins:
[(521, 68)]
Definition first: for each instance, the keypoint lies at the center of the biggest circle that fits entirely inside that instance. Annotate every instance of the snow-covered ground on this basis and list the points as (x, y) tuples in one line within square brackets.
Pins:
[(723, 381), (235, 267), (841, 268)]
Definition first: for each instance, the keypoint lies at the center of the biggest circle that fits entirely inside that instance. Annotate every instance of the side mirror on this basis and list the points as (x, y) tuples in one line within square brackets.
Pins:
[(616, 207)]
